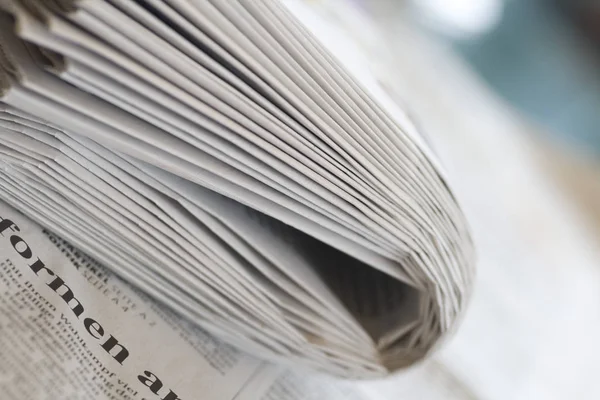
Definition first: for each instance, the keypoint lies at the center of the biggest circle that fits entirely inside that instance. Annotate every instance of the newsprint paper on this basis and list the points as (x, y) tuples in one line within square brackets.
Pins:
[(70, 329), (216, 157)]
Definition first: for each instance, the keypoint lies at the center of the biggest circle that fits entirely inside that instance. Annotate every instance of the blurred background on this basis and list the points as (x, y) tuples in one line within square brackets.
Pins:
[(541, 56), (507, 93)]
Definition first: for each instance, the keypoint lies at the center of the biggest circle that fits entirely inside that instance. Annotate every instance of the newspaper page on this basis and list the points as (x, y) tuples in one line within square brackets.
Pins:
[(70, 329)]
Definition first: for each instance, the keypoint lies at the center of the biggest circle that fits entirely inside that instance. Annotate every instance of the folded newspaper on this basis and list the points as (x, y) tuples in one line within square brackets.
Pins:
[(216, 157)]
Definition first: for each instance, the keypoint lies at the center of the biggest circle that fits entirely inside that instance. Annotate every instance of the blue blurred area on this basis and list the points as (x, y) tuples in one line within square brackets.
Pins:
[(541, 62)]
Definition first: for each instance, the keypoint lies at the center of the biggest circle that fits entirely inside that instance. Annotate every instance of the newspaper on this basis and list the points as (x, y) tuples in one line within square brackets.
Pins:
[(214, 155)]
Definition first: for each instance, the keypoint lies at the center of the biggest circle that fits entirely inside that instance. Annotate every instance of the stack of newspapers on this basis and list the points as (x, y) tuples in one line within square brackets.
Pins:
[(215, 156)]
